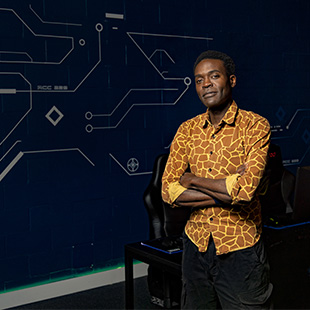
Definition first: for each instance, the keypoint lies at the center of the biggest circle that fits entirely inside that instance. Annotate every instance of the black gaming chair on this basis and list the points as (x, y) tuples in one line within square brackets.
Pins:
[(276, 199), (164, 222)]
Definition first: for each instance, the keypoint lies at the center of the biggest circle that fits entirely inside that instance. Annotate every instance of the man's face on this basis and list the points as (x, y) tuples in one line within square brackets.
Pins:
[(213, 86)]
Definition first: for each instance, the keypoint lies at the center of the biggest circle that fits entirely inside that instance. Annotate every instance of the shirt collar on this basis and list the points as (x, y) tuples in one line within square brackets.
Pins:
[(229, 117)]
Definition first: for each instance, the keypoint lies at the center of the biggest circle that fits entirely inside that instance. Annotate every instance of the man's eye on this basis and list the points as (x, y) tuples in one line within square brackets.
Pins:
[(215, 76), (198, 81)]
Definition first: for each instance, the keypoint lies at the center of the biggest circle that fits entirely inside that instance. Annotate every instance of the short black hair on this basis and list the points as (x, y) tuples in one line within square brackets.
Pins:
[(210, 54)]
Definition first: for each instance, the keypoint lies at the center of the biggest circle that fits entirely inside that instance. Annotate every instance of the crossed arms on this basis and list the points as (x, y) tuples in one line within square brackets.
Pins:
[(204, 192), (235, 187)]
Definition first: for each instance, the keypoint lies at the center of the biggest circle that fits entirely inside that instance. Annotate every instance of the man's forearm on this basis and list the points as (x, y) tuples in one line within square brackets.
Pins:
[(194, 198), (212, 187)]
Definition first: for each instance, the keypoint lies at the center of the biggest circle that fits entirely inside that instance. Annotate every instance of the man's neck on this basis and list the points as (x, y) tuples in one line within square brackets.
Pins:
[(217, 115)]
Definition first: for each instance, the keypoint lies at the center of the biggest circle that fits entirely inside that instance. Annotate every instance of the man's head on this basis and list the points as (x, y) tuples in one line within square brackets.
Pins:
[(214, 80), (228, 62)]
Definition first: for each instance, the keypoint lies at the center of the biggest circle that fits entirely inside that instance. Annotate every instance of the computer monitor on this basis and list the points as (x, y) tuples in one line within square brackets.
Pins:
[(301, 206)]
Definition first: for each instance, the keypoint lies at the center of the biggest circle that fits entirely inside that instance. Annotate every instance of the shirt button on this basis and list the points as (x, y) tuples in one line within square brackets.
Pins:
[(210, 169), (211, 152), (211, 219), (213, 136)]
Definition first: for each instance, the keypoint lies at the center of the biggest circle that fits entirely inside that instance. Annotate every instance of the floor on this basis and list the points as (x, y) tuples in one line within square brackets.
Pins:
[(107, 297)]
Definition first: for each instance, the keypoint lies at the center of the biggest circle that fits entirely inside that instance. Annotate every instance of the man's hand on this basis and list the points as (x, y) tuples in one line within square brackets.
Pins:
[(186, 179)]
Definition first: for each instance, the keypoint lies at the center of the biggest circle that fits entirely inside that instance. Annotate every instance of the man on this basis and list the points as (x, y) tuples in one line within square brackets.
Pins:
[(224, 262)]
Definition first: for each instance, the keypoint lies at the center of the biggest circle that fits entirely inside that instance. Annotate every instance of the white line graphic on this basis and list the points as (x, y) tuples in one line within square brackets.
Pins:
[(130, 174), (21, 154), (9, 150), (30, 102), (187, 81), (8, 91), (297, 111), (17, 53), (88, 115), (11, 165), (39, 35), (99, 28), (52, 23), (131, 34), (61, 150), (164, 51), (114, 16)]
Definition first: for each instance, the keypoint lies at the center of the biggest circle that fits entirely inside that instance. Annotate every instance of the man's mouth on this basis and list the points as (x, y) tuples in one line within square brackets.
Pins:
[(209, 94)]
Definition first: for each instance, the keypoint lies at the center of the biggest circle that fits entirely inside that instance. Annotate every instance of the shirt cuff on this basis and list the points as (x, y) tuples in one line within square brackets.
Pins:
[(175, 190), (231, 181)]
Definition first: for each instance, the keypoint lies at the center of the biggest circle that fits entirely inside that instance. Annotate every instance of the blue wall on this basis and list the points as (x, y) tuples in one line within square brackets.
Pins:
[(92, 91)]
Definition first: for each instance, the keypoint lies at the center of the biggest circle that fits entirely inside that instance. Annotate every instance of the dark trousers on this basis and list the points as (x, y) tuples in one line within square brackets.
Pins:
[(237, 280)]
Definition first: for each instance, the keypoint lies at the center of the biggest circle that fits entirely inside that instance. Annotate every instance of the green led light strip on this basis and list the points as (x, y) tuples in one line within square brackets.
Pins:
[(71, 276)]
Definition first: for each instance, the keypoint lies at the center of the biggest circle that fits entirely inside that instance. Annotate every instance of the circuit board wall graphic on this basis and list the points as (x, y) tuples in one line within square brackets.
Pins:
[(93, 91)]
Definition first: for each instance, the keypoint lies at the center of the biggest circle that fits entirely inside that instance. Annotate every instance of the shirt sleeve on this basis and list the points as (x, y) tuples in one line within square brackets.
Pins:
[(257, 140), (176, 166), (231, 181)]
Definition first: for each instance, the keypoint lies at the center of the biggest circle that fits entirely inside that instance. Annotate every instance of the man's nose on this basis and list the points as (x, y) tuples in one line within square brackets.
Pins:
[(207, 83)]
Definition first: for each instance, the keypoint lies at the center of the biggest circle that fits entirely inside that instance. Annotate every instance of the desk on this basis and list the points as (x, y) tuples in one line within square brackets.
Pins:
[(288, 248), (168, 263)]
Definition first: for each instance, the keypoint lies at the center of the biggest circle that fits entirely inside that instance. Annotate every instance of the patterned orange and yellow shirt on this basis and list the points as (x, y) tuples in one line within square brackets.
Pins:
[(216, 153)]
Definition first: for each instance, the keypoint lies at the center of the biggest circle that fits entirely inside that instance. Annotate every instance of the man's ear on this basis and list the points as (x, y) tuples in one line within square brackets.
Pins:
[(232, 80)]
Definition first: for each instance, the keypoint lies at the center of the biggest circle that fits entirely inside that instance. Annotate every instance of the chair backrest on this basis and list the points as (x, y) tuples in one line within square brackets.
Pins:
[(153, 201), (164, 220), (277, 199), (301, 210)]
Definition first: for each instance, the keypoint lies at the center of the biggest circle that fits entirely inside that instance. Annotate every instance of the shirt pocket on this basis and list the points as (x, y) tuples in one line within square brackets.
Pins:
[(231, 156)]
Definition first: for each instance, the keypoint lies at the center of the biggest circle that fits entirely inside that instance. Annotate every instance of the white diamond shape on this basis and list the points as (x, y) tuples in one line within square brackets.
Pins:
[(60, 116)]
